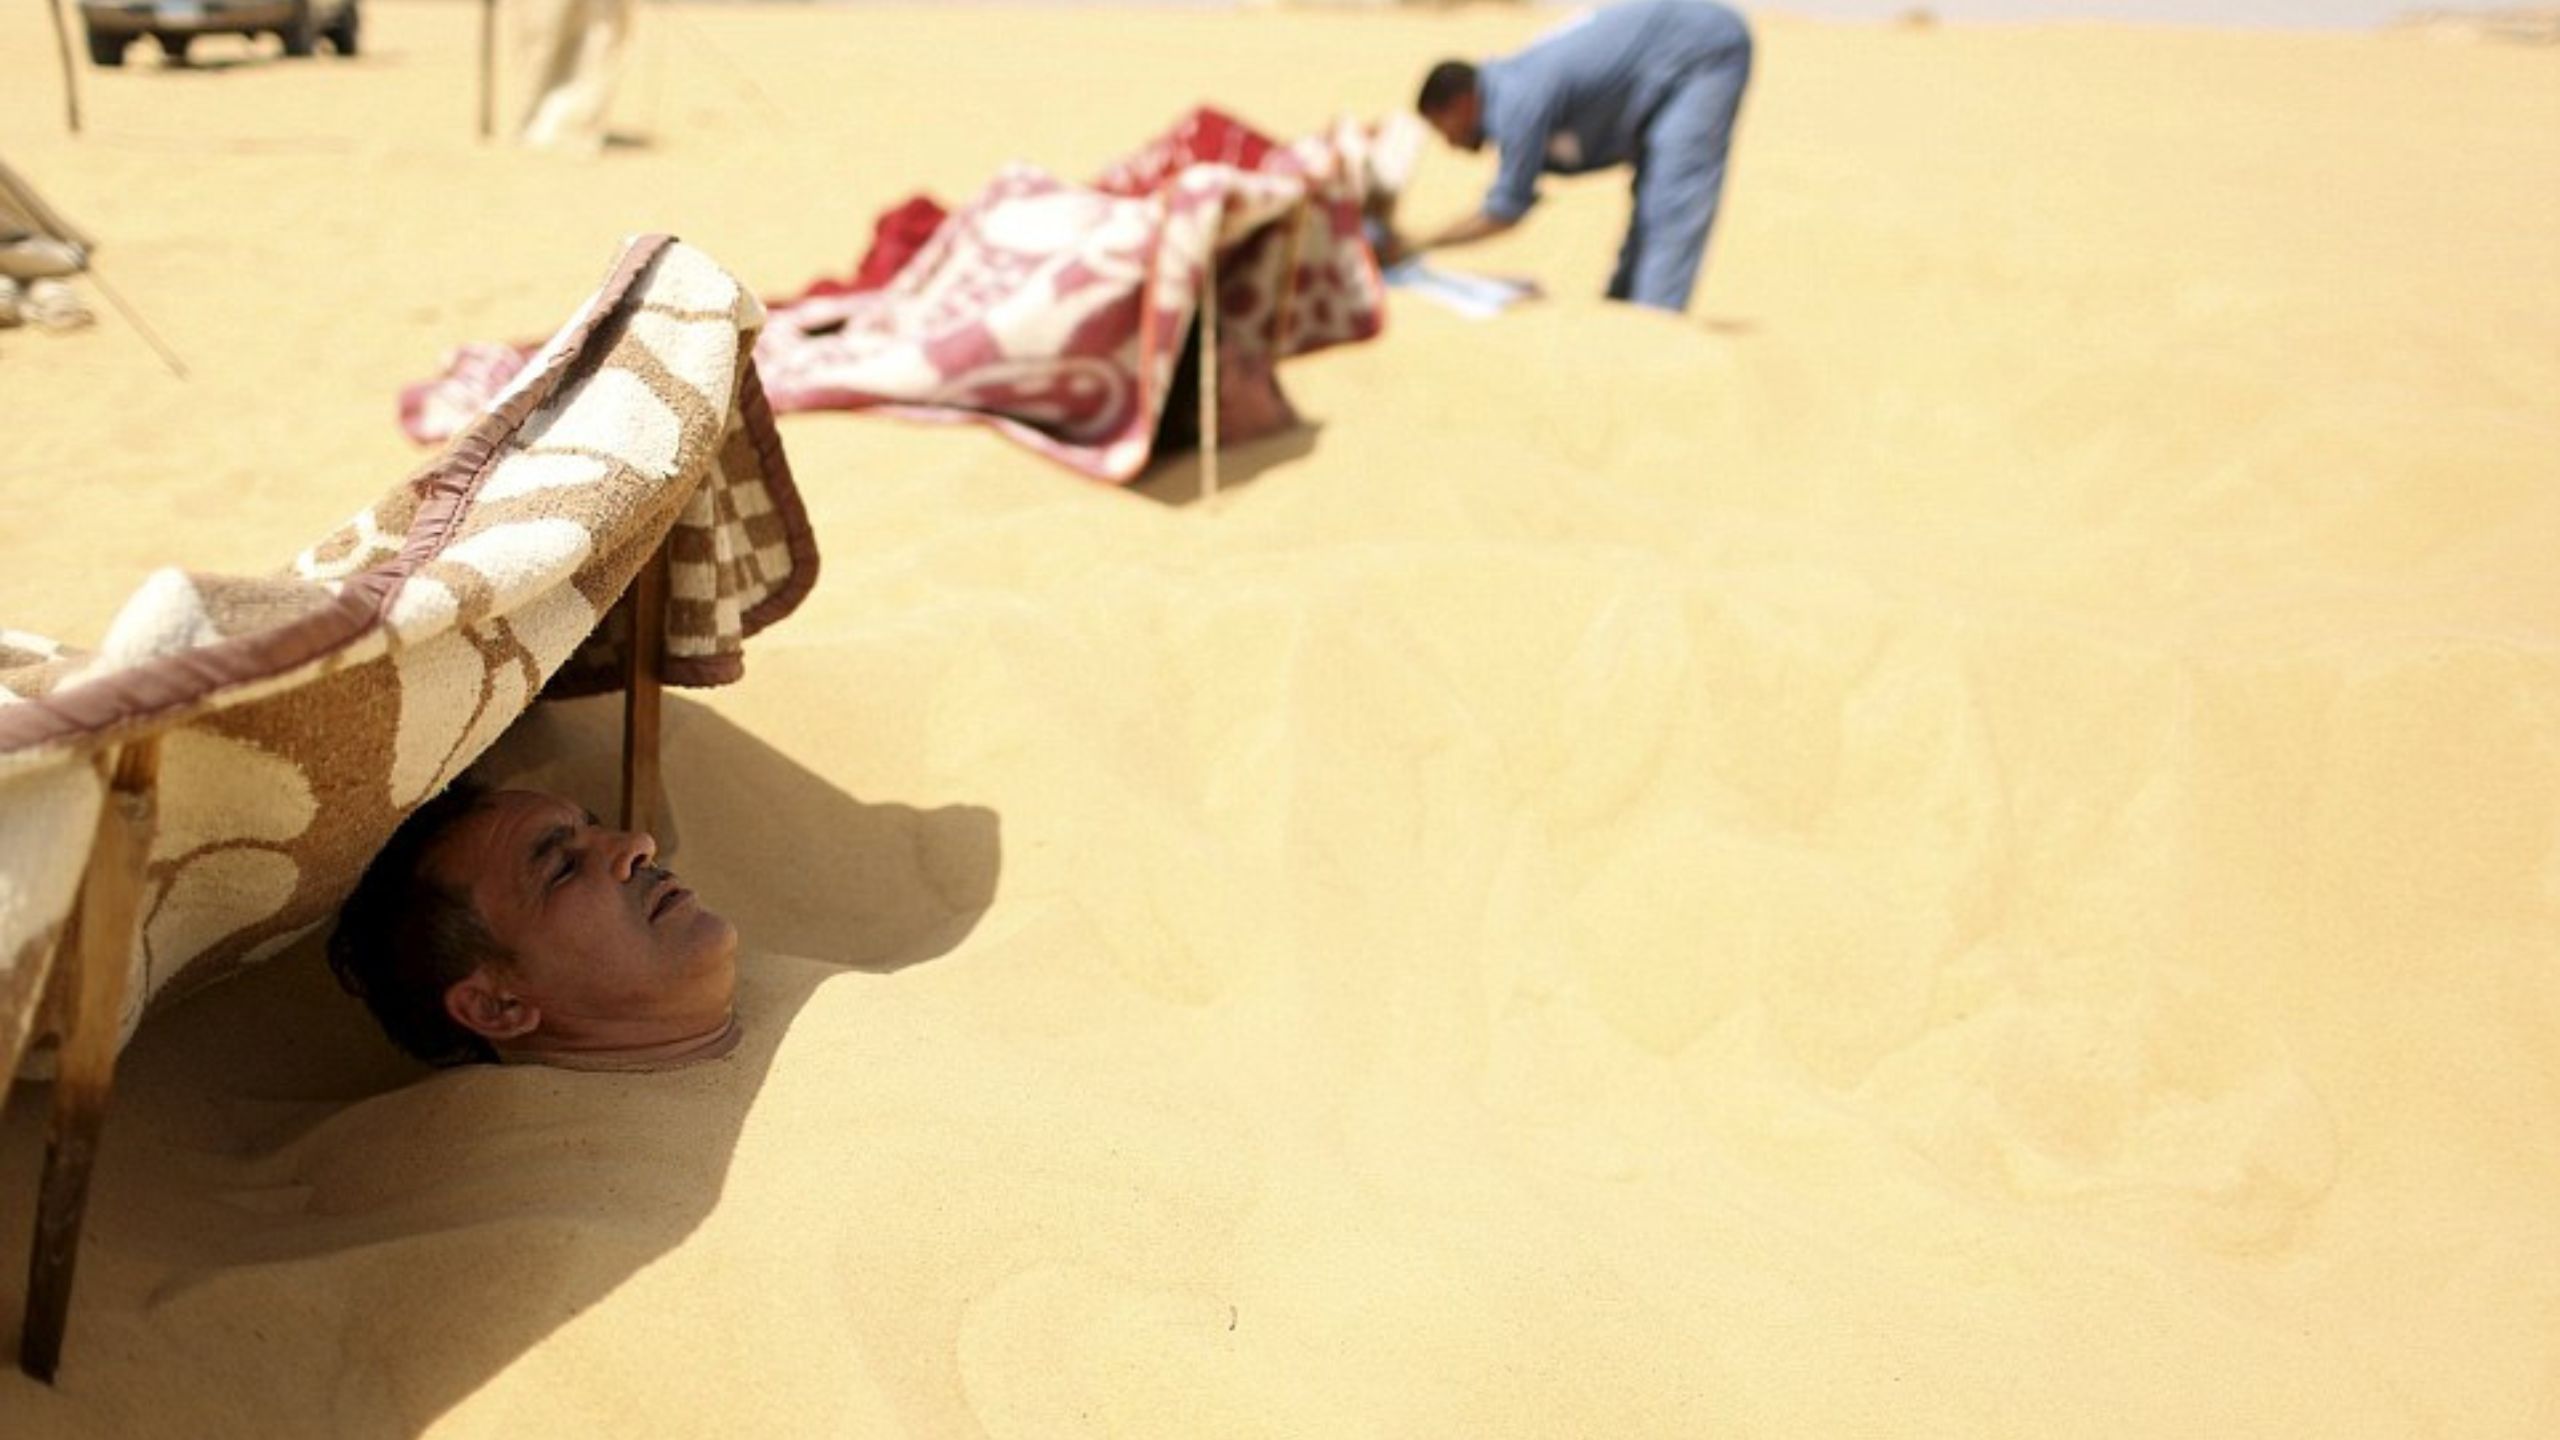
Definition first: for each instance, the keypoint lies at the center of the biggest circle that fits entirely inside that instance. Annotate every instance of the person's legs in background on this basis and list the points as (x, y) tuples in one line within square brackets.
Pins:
[(1622, 281), (1679, 184)]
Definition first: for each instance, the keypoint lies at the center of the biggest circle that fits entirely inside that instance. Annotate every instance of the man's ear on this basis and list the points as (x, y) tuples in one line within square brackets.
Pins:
[(481, 1003)]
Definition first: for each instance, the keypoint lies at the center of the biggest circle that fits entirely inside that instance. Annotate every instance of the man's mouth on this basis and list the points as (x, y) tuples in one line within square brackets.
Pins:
[(669, 896)]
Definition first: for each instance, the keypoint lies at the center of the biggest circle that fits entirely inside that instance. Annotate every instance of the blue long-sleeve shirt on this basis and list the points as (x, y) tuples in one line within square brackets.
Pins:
[(1579, 98)]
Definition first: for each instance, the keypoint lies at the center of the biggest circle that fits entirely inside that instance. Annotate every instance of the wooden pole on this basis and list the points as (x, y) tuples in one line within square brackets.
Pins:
[(97, 958), (1209, 368), (62, 43), (1283, 309), (134, 318), (488, 68), (641, 684)]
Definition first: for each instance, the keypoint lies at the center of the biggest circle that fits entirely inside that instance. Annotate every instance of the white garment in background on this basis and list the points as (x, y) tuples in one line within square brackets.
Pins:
[(574, 52)]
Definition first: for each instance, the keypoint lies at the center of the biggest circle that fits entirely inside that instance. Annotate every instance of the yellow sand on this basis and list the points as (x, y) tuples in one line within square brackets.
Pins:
[(1966, 842)]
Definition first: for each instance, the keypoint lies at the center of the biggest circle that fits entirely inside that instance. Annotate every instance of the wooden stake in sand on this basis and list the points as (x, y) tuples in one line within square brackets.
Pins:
[(1282, 312), (1209, 368), (62, 43), (488, 67), (87, 998), (647, 599), (134, 318)]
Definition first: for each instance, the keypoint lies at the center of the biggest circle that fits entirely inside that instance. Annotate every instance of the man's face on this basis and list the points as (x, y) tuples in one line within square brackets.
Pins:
[(1461, 121), (599, 933)]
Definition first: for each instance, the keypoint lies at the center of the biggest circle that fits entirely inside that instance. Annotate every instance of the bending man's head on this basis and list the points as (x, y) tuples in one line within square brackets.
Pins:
[(1452, 102), (512, 925)]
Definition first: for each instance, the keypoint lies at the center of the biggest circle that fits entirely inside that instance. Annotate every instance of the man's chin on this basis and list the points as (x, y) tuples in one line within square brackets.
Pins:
[(722, 937), (699, 943)]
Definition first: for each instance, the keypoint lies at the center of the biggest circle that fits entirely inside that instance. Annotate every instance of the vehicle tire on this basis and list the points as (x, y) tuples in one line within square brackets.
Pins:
[(173, 48), (342, 36), (301, 34), (107, 51)]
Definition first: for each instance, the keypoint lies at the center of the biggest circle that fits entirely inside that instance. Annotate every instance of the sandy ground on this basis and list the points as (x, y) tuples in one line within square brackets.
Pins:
[(1964, 842)]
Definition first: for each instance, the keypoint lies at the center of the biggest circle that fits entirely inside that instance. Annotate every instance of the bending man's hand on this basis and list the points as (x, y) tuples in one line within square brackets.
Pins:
[(1466, 231)]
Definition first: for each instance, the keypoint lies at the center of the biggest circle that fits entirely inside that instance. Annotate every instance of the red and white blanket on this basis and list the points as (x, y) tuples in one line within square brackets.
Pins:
[(1057, 312)]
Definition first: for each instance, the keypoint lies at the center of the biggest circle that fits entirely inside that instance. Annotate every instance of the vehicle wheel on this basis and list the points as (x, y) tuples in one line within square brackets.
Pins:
[(342, 36), (107, 51), (174, 47), (301, 34)]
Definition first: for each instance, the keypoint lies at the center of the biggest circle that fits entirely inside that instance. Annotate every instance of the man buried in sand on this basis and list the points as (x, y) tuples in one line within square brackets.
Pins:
[(1654, 84), (512, 926)]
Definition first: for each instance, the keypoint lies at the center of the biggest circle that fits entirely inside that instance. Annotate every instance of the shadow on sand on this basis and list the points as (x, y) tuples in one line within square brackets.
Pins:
[(296, 1230), (1175, 479)]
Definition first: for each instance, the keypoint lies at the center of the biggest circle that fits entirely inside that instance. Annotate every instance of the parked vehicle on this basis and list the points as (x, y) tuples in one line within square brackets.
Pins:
[(300, 24)]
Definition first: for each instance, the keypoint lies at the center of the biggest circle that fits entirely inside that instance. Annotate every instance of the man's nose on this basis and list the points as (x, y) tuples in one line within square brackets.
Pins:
[(633, 849)]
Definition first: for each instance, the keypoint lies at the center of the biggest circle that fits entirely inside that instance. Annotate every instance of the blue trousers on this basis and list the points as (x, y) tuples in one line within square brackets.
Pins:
[(1679, 181)]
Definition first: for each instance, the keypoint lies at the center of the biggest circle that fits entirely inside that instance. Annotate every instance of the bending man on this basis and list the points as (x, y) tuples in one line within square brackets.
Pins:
[(1653, 84)]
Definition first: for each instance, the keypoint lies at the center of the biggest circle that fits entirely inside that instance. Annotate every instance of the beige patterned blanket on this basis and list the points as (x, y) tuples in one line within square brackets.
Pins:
[(305, 713)]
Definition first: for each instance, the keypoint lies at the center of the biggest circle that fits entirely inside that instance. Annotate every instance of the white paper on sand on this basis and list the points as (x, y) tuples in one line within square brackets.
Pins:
[(1478, 297)]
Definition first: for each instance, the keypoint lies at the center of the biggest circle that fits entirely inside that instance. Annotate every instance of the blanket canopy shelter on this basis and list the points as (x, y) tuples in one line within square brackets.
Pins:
[(204, 789), (1059, 313)]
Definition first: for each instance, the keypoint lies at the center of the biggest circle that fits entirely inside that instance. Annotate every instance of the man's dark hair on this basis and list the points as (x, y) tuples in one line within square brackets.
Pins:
[(1449, 82), (402, 939)]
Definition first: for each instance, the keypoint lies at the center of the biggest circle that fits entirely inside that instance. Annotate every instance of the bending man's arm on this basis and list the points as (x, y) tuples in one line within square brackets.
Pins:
[(1464, 231), (1467, 231), (1515, 190)]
